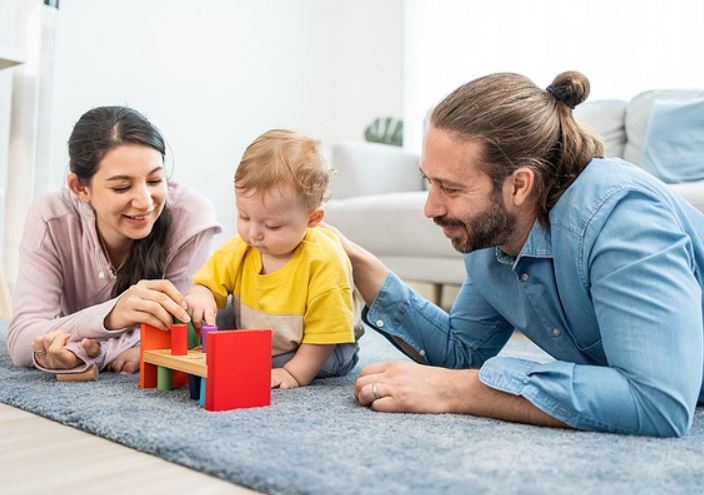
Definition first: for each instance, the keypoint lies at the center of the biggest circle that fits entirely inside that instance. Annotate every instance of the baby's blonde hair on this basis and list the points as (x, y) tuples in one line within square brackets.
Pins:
[(283, 156)]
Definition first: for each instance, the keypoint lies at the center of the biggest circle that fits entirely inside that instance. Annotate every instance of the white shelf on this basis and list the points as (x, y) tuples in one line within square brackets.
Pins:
[(10, 56)]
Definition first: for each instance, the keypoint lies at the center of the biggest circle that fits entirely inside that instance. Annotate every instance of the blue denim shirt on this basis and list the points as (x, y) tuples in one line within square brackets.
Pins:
[(612, 290)]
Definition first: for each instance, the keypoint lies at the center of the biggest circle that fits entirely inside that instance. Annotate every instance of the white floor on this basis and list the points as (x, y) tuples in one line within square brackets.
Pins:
[(39, 456)]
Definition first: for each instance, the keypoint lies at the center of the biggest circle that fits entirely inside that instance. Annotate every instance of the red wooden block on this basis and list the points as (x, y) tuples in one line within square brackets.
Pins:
[(179, 339), (239, 369)]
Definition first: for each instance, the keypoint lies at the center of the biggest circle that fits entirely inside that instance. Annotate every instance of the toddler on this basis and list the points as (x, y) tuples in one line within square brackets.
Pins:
[(282, 270)]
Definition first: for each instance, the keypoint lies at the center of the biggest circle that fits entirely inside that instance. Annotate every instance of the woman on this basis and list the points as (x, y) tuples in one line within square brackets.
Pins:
[(111, 251)]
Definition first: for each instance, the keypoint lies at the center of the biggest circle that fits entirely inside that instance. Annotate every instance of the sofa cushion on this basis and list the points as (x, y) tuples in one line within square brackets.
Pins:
[(638, 114), (693, 192), (605, 117), (673, 148), (390, 224), (373, 168)]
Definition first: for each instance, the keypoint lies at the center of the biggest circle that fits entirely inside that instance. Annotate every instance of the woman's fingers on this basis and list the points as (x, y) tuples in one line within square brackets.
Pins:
[(50, 351), (170, 297), (162, 293), (151, 320), (159, 306), (158, 299), (91, 346)]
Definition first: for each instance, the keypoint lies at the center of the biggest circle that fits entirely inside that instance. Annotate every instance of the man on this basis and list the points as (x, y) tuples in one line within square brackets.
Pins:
[(593, 259)]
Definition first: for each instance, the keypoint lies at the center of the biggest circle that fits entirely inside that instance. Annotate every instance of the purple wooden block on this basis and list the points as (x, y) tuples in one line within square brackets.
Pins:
[(204, 331)]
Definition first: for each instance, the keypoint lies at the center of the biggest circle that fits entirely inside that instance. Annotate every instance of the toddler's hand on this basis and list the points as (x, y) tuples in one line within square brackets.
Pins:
[(201, 305), (280, 378)]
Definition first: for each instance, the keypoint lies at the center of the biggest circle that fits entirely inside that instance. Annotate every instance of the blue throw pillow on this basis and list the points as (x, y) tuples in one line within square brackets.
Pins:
[(673, 149)]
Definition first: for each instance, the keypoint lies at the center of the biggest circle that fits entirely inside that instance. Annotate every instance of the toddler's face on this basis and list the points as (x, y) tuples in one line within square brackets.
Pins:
[(274, 221)]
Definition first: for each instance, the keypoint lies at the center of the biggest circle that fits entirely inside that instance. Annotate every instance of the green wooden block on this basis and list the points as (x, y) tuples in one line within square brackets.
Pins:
[(164, 377)]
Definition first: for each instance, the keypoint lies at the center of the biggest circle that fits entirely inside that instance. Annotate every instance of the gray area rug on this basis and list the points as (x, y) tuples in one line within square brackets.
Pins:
[(317, 440)]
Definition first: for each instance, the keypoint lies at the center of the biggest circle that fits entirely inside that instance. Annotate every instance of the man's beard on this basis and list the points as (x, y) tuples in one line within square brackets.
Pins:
[(492, 227)]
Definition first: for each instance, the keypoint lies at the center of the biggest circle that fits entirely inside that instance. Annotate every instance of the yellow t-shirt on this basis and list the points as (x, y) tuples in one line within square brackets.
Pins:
[(308, 300)]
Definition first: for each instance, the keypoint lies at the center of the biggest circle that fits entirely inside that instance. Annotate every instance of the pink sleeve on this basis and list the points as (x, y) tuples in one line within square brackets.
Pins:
[(38, 293), (37, 297)]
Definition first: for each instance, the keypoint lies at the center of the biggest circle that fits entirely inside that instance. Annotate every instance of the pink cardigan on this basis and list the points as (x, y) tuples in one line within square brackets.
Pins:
[(64, 281)]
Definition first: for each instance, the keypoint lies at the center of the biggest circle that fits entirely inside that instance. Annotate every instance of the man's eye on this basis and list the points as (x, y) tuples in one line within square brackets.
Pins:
[(449, 190), (120, 189)]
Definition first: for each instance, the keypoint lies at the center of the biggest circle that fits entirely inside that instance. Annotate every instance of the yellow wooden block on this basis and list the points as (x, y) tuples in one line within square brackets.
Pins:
[(193, 363)]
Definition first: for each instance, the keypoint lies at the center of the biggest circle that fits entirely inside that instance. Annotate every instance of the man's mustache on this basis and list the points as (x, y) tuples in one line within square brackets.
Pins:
[(448, 222)]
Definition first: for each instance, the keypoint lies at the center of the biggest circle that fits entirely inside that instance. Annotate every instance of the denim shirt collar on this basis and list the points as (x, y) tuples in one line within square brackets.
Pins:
[(538, 245)]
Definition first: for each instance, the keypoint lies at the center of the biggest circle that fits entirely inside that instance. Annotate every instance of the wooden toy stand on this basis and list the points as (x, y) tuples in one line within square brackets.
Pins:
[(237, 365)]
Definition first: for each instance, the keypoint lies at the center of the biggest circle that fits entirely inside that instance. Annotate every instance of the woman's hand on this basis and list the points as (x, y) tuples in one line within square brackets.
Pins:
[(201, 305), (154, 302), (50, 351)]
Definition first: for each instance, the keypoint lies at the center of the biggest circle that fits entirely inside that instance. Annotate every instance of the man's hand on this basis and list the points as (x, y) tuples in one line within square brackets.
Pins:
[(402, 386), (50, 351), (201, 305), (280, 378)]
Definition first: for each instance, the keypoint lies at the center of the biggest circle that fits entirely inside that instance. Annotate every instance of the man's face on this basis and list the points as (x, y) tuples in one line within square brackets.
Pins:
[(462, 198)]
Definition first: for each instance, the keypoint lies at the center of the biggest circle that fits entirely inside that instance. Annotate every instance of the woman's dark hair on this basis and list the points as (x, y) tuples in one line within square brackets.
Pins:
[(522, 125), (98, 131)]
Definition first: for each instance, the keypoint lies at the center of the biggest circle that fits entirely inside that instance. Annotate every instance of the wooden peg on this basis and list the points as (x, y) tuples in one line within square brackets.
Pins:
[(89, 375)]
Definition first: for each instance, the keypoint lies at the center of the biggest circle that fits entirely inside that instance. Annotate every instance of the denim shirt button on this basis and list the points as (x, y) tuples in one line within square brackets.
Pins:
[(379, 323), (422, 352), (525, 277), (556, 332)]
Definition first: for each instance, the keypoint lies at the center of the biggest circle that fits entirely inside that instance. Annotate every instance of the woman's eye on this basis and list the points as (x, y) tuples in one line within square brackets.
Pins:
[(120, 189), (155, 182), (273, 227)]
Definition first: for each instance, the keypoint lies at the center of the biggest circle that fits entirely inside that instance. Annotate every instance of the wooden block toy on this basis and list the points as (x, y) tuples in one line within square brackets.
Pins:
[(204, 331), (194, 386), (155, 338), (164, 377), (239, 369), (193, 334), (91, 374), (179, 339), (237, 366)]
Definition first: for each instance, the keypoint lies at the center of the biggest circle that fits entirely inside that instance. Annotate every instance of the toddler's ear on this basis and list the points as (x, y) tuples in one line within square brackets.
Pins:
[(316, 216)]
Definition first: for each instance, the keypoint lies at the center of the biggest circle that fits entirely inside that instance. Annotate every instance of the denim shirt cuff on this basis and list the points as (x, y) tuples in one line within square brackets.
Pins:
[(508, 375), (387, 313), (513, 376)]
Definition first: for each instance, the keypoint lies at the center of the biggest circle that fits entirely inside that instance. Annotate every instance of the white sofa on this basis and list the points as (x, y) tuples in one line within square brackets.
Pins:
[(378, 194)]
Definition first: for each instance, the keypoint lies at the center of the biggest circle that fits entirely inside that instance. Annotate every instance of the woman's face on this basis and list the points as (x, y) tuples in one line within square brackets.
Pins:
[(128, 193)]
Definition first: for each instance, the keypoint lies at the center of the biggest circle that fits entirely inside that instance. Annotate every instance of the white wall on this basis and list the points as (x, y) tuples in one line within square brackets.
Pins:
[(624, 47), (7, 38), (214, 74)]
